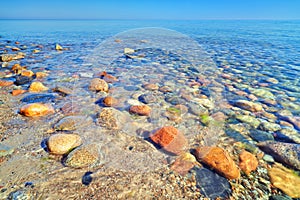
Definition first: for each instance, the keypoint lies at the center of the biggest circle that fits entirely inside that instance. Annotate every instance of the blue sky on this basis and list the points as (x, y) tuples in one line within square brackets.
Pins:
[(150, 9)]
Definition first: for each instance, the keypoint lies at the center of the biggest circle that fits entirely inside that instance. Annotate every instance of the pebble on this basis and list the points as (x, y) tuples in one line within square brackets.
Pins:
[(197, 109), (128, 50), (22, 80), (260, 136), (286, 180), (83, 156), (249, 120), (36, 109), (269, 126), (218, 159), (110, 78), (170, 139), (37, 87), (248, 105), (151, 86), (263, 93), (134, 102), (63, 90), (111, 118), (70, 108), (58, 47), (165, 89), (183, 163), (10, 57), (110, 101), (248, 162), (142, 110), (28, 73), (18, 92), (268, 158), (39, 98), (4, 83), (71, 123), (98, 84), (40, 75), (285, 153), (206, 103), (147, 98), (63, 143)]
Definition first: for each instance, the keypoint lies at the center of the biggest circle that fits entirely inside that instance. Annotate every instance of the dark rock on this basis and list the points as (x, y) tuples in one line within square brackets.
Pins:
[(39, 98), (260, 136), (22, 80), (147, 98), (211, 184)]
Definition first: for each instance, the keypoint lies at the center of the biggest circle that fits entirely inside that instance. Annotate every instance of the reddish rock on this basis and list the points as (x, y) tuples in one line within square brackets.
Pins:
[(18, 92), (36, 109), (183, 164), (170, 139), (27, 73), (98, 84), (4, 83), (110, 101), (150, 86), (218, 159), (140, 110), (248, 162)]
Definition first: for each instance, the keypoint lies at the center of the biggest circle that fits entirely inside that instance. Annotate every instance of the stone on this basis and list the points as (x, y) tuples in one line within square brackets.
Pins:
[(10, 57), (248, 105), (17, 68), (36, 109), (174, 100), (128, 51), (219, 116), (219, 160), (285, 179), (170, 140), (197, 109), (142, 110), (21, 194), (260, 136), (111, 118), (71, 123), (58, 47), (37, 87), (288, 134), (285, 153), (151, 86), (205, 103), (70, 108), (36, 51), (280, 197), (110, 78), (5, 150), (252, 121), (248, 162), (183, 163), (295, 121), (28, 73), (212, 185), (83, 156), (98, 84), (4, 83), (22, 80), (39, 98), (18, 92), (272, 80), (63, 143), (40, 75), (263, 93), (165, 89), (63, 90), (147, 98), (269, 126), (110, 101)]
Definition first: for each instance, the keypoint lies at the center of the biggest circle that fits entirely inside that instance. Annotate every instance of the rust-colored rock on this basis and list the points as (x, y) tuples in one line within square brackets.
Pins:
[(62, 143), (4, 83), (110, 101), (170, 139), (143, 110), (17, 68), (36, 109), (98, 84), (248, 162), (37, 87), (18, 92), (27, 73), (218, 159)]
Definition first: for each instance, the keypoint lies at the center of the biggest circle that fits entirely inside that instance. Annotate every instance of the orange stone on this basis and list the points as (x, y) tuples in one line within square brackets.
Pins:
[(218, 159), (248, 162), (37, 87), (17, 68), (18, 92), (27, 73), (4, 83), (110, 101), (170, 139), (36, 110), (140, 110)]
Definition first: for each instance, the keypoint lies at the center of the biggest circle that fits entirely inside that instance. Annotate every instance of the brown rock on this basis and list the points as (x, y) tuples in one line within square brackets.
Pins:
[(110, 101), (15, 49), (111, 118), (63, 143), (170, 139), (41, 74), (248, 162), (36, 110), (165, 89), (110, 78), (37, 87), (98, 84), (4, 83), (140, 110), (18, 92), (27, 73), (248, 105), (17, 68), (218, 159), (183, 163), (150, 86), (70, 108)]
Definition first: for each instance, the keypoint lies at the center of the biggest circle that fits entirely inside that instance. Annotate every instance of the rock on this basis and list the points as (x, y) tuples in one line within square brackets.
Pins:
[(70, 108), (269, 126), (36, 51), (183, 163), (147, 98), (219, 116), (110, 101), (72, 123), (111, 118), (279, 197), (37, 87), (170, 140), (285, 153), (10, 57), (134, 102), (294, 120), (39, 98), (174, 100), (150, 86), (128, 51), (28, 73), (17, 68), (5, 150), (197, 109), (143, 110), (272, 80), (58, 47), (18, 92), (22, 80), (63, 143), (248, 162), (110, 78), (83, 156), (287, 135), (219, 160), (260, 136), (249, 120), (211, 184), (206, 103), (173, 114), (98, 84), (263, 93), (286, 180), (165, 89), (4, 83), (21, 194), (248, 105), (40, 75), (36, 110), (63, 90)]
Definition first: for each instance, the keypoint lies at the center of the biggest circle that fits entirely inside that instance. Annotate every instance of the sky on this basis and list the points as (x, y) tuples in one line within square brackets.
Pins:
[(150, 9)]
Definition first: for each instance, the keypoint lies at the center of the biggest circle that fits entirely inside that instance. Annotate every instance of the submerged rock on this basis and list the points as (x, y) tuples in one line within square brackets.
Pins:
[(41, 98), (248, 162), (22, 80), (5, 150), (4, 83), (111, 118), (36, 110), (62, 143), (37, 87), (269, 126), (143, 110), (147, 98), (71, 123), (110, 101), (263, 93), (260, 136), (288, 134), (183, 163), (98, 84), (249, 120), (248, 105)]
